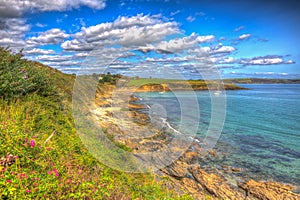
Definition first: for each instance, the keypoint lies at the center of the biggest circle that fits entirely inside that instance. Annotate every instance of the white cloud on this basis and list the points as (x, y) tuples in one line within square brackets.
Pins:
[(244, 36), (175, 13), (219, 49), (53, 58), (41, 25), (133, 31), (190, 19), (39, 51), (12, 32), (15, 8), (52, 36), (228, 60), (182, 44), (200, 14), (265, 60), (239, 28)]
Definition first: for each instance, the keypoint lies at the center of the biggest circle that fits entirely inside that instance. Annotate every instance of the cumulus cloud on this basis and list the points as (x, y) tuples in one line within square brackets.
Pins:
[(219, 49), (244, 36), (228, 60), (178, 45), (265, 60), (52, 36), (12, 32), (16, 8), (133, 31), (39, 51)]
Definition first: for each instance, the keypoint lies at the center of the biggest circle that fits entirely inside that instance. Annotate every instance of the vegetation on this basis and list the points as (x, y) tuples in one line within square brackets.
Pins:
[(41, 156), (185, 84)]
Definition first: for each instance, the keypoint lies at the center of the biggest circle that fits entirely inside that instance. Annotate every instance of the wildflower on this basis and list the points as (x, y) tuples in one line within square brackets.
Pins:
[(28, 191), (8, 181), (32, 143), (54, 172), (48, 148), (25, 77), (26, 140), (37, 179), (23, 176)]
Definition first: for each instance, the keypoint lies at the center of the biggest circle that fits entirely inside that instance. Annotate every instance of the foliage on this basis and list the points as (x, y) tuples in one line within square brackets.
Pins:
[(109, 78), (19, 77)]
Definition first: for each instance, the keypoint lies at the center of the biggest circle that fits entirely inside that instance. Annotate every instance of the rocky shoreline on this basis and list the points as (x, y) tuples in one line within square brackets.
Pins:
[(184, 174)]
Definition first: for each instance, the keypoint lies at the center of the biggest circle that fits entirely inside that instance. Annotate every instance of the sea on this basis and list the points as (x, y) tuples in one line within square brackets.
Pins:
[(261, 130)]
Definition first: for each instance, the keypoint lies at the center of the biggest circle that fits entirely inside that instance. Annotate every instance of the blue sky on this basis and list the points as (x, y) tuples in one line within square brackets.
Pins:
[(237, 38)]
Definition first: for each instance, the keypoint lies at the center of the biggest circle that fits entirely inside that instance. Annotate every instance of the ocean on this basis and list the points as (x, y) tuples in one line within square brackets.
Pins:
[(261, 133)]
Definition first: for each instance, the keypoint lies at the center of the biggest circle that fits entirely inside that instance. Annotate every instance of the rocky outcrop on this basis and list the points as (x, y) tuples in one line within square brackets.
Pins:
[(215, 184), (153, 88), (268, 190)]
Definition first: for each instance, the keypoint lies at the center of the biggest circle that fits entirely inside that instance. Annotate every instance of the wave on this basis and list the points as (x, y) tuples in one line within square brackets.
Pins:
[(164, 121)]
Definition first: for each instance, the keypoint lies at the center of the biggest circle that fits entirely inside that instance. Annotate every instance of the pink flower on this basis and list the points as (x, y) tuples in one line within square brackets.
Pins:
[(32, 143), (28, 191), (23, 176), (8, 181), (48, 148), (54, 172), (26, 140), (37, 179)]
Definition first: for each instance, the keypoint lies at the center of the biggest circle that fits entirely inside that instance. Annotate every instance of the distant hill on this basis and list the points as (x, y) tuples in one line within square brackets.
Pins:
[(261, 81)]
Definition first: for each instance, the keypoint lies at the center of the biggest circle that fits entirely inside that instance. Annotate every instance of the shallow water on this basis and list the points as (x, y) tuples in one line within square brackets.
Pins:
[(261, 133)]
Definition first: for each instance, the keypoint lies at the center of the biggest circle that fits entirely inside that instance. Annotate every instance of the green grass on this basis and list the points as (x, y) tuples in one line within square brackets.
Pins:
[(36, 127), (145, 81)]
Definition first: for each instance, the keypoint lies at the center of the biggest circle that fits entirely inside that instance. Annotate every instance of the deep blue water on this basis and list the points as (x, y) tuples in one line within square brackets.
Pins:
[(261, 133)]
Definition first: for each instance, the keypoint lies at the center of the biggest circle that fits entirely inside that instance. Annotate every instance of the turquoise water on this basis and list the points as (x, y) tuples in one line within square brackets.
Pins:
[(261, 133)]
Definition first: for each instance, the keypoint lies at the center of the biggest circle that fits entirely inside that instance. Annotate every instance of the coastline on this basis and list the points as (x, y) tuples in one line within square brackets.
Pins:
[(185, 174)]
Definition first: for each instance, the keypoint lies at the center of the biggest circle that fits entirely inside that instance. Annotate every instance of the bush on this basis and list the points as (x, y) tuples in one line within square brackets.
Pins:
[(19, 77)]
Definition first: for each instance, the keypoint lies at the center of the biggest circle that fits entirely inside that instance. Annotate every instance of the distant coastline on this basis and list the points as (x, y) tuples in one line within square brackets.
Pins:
[(261, 81)]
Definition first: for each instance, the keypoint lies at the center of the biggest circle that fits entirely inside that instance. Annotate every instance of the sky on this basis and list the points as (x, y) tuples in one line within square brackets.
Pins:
[(163, 38)]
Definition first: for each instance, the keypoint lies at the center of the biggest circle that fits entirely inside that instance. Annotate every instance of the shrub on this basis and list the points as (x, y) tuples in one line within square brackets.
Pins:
[(19, 77)]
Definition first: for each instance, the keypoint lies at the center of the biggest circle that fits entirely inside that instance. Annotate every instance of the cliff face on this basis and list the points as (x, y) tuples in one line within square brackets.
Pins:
[(153, 88)]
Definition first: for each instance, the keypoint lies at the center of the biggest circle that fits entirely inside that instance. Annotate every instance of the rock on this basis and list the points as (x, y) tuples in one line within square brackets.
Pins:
[(235, 169), (213, 153), (136, 106), (193, 188), (139, 117), (268, 190), (176, 169), (214, 184), (190, 157), (133, 98)]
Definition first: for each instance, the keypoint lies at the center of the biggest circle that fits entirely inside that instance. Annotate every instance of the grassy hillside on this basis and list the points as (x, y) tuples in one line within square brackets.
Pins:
[(41, 156), (185, 84)]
